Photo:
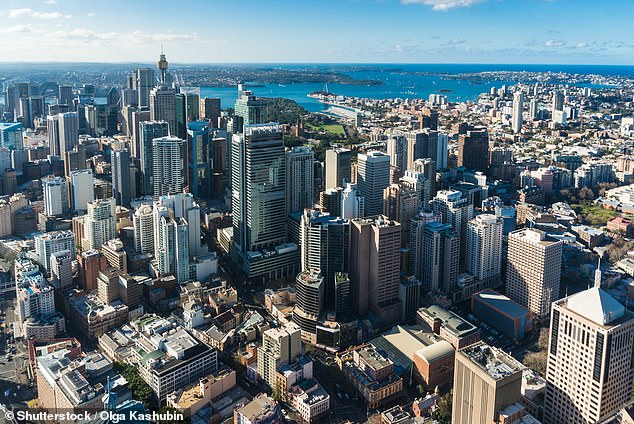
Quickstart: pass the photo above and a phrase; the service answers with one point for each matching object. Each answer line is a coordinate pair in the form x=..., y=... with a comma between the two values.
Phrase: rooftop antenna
x=597, y=275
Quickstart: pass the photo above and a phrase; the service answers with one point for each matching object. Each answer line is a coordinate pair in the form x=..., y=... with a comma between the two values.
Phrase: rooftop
x=596, y=305
x=495, y=362
x=502, y=303
x=450, y=321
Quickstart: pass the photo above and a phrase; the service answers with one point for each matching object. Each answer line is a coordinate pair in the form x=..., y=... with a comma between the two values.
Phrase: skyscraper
x=486, y=380
x=121, y=184
x=589, y=373
x=397, y=149
x=163, y=106
x=518, y=108
x=280, y=346
x=400, y=203
x=63, y=133
x=473, y=150
x=148, y=131
x=337, y=167
x=171, y=245
x=144, y=81
x=100, y=223
x=199, y=162
x=299, y=178
x=375, y=249
x=533, y=270
x=55, y=196
x=48, y=243
x=437, y=256
x=373, y=176
x=168, y=162
x=456, y=211
x=249, y=109
x=82, y=191
x=183, y=206
x=310, y=303
x=484, y=247
x=352, y=203
x=210, y=110
x=143, y=221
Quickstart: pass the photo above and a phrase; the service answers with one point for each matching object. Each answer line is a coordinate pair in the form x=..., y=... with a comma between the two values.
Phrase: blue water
x=398, y=83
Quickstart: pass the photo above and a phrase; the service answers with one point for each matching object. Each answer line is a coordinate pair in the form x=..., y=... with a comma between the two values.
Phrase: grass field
x=336, y=129
x=594, y=215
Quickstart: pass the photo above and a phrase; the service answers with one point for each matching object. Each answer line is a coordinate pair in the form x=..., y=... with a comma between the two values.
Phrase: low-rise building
x=451, y=327
x=92, y=317
x=503, y=314
x=192, y=398
x=261, y=410
x=310, y=400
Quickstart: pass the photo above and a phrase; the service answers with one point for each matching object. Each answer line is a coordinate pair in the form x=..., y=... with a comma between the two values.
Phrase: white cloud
x=50, y=2
x=443, y=5
x=553, y=43
x=18, y=28
x=30, y=13
x=581, y=45
x=90, y=15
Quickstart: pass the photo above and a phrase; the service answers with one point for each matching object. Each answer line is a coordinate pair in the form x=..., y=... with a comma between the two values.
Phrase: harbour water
x=402, y=81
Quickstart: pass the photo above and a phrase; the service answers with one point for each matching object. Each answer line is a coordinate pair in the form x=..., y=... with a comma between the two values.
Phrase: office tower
x=145, y=81
x=442, y=151
x=249, y=110
x=416, y=182
x=81, y=189
x=338, y=167
x=309, y=286
x=218, y=167
x=143, y=221
x=532, y=109
x=375, y=248
x=258, y=198
x=171, y=244
x=437, y=256
x=210, y=110
x=473, y=150
x=63, y=132
x=330, y=201
x=163, y=106
x=65, y=96
x=426, y=143
x=589, y=372
x=129, y=99
x=198, y=152
x=100, y=223
x=533, y=270
x=101, y=119
x=55, y=196
x=121, y=184
x=397, y=150
x=352, y=204
x=518, y=108
x=115, y=255
x=90, y=262
x=75, y=159
x=484, y=247
x=558, y=102
x=373, y=176
x=280, y=346
x=183, y=206
x=61, y=269
x=400, y=203
x=34, y=296
x=299, y=178
x=138, y=117
x=324, y=240
x=148, y=131
x=48, y=243
x=486, y=380
x=9, y=182
x=180, y=130
x=416, y=233
x=168, y=162
x=455, y=211
x=11, y=135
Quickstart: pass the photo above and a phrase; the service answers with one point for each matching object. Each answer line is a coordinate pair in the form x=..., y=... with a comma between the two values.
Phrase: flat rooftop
x=493, y=361
x=502, y=303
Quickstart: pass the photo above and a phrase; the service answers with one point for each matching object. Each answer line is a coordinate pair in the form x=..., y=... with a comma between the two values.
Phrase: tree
x=443, y=413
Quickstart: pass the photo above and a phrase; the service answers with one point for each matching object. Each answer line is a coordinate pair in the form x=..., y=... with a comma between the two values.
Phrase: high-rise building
x=100, y=223
x=309, y=286
x=143, y=221
x=375, y=249
x=533, y=270
x=199, y=162
x=148, y=131
x=533, y=109
x=168, y=162
x=55, y=196
x=182, y=205
x=218, y=167
x=210, y=110
x=171, y=245
x=324, y=241
x=558, y=102
x=416, y=240
x=486, y=380
x=397, y=149
x=120, y=170
x=437, y=256
x=61, y=269
x=338, y=167
x=11, y=135
x=48, y=243
x=163, y=106
x=249, y=109
x=144, y=82
x=90, y=262
x=473, y=150
x=518, y=108
x=65, y=95
x=589, y=373
x=484, y=247
x=280, y=346
x=373, y=176
x=81, y=189
x=352, y=202
x=456, y=211
x=63, y=133
x=299, y=178
x=400, y=203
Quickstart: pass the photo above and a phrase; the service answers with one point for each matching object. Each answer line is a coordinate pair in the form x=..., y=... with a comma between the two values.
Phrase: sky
x=325, y=31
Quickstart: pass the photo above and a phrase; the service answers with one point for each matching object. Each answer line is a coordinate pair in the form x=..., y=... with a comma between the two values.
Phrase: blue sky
x=348, y=31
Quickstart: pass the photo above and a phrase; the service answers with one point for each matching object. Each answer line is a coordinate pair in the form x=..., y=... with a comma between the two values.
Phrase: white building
x=100, y=223
x=48, y=243
x=143, y=221
x=352, y=202
x=55, y=196
x=82, y=191
x=373, y=176
x=484, y=246
x=168, y=157
x=299, y=178
x=518, y=108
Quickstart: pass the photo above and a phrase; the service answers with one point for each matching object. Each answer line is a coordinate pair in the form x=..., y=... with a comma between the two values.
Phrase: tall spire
x=162, y=65
x=597, y=275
